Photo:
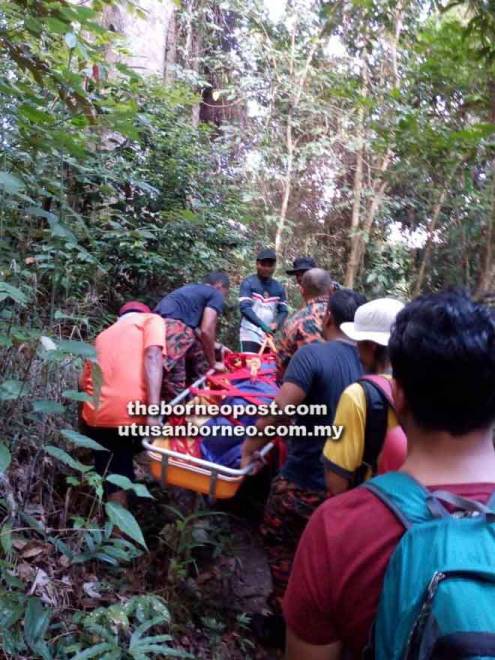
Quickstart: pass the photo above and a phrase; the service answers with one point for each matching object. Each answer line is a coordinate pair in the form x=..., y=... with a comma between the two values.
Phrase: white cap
x=373, y=321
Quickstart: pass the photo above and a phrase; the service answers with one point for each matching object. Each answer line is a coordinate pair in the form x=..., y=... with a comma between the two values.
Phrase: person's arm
x=246, y=307
x=219, y=347
x=297, y=649
x=298, y=380
x=207, y=336
x=153, y=375
x=336, y=483
x=286, y=347
x=154, y=340
x=342, y=457
x=289, y=394
x=282, y=309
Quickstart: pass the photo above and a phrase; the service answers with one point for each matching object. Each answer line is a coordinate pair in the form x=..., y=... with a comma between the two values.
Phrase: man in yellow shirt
x=371, y=433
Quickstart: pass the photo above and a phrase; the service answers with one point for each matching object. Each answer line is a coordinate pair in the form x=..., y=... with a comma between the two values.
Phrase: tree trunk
x=287, y=186
x=487, y=275
x=429, y=240
x=432, y=226
x=170, y=49
x=353, y=263
x=359, y=236
x=190, y=52
x=379, y=188
x=196, y=49
x=290, y=142
x=399, y=17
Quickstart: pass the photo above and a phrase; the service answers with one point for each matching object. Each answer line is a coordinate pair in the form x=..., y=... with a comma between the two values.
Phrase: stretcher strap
x=233, y=392
x=224, y=380
x=268, y=343
x=239, y=360
x=190, y=446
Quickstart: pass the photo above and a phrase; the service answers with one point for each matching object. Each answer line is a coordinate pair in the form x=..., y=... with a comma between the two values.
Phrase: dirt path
x=210, y=566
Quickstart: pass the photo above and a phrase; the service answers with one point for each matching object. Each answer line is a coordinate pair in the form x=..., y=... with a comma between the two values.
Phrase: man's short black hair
x=442, y=350
x=217, y=278
x=343, y=304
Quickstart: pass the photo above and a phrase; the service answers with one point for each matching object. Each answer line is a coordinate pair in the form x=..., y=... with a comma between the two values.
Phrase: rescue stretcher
x=174, y=468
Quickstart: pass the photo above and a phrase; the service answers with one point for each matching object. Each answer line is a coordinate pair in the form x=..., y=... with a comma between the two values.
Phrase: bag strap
x=406, y=498
x=375, y=428
x=412, y=503
x=382, y=384
x=463, y=504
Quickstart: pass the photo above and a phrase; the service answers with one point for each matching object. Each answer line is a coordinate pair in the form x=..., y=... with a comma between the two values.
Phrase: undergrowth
x=83, y=579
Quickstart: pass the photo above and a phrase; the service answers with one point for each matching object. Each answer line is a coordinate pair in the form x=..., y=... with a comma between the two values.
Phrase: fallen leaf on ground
x=33, y=549
x=25, y=571
x=89, y=589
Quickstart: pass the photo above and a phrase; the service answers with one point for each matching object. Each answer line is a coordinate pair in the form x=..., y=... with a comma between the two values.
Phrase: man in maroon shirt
x=442, y=350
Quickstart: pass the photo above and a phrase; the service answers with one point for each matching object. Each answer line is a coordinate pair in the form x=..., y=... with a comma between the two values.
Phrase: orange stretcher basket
x=173, y=468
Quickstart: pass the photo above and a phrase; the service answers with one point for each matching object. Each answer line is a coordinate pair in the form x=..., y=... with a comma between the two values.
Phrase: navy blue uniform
x=323, y=371
x=183, y=310
x=187, y=303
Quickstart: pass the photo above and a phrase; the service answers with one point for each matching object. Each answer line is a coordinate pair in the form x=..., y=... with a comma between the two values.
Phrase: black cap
x=301, y=264
x=266, y=253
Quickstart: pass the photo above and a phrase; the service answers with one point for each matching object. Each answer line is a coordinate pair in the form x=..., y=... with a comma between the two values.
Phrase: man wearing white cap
x=372, y=441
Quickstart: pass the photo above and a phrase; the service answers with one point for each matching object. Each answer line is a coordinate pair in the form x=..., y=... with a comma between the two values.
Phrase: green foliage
x=10, y=390
x=82, y=440
x=110, y=190
x=135, y=628
x=185, y=535
x=84, y=172
x=65, y=458
x=388, y=271
x=78, y=348
x=5, y=457
x=126, y=484
x=103, y=546
x=36, y=622
x=16, y=638
x=12, y=292
x=132, y=629
x=125, y=521
x=48, y=407
x=74, y=395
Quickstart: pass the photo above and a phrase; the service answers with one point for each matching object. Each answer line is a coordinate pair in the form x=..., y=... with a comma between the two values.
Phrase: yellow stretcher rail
x=172, y=468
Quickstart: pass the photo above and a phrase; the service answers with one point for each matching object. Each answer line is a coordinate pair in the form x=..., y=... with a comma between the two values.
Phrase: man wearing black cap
x=263, y=303
x=299, y=266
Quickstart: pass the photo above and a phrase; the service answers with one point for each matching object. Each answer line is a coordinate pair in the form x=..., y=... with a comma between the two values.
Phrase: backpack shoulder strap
x=375, y=429
x=412, y=503
x=408, y=500
x=382, y=384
